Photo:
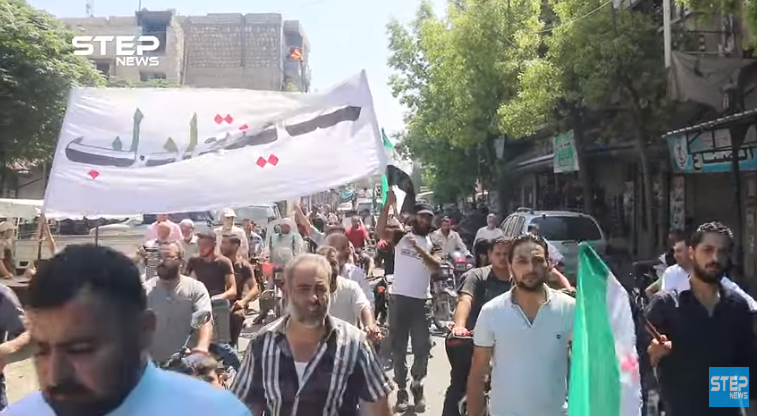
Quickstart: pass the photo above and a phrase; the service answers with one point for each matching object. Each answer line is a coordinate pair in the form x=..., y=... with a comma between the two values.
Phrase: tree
x=597, y=59
x=115, y=82
x=37, y=69
x=452, y=74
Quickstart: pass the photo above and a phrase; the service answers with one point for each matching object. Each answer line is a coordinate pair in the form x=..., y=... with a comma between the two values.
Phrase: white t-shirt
x=411, y=275
x=486, y=234
x=357, y=275
x=159, y=393
x=530, y=358
x=676, y=278
x=348, y=301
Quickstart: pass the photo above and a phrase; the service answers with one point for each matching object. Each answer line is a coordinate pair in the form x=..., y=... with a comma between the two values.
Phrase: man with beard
x=149, y=253
x=414, y=261
x=480, y=285
x=348, y=269
x=706, y=326
x=173, y=298
x=307, y=362
x=522, y=337
x=91, y=330
x=244, y=277
x=348, y=302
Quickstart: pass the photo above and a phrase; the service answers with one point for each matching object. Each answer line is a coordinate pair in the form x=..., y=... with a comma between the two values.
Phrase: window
x=148, y=76
x=509, y=226
x=568, y=228
x=518, y=229
x=103, y=68
x=159, y=30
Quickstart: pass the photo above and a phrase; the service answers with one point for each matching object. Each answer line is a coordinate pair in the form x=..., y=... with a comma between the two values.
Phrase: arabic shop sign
x=709, y=152
x=564, y=148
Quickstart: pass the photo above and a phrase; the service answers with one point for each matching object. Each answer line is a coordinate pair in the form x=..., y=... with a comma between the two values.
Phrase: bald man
x=152, y=231
x=150, y=252
x=346, y=268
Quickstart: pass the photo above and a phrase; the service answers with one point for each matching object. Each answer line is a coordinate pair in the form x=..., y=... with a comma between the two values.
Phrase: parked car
x=259, y=214
x=563, y=229
x=138, y=224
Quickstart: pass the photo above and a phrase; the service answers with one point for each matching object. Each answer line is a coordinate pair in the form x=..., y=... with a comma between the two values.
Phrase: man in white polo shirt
x=524, y=333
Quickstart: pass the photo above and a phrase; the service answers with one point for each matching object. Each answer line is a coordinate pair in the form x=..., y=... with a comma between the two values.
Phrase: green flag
x=604, y=370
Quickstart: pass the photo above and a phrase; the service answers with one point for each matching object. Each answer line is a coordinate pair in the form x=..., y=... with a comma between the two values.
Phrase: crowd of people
x=101, y=325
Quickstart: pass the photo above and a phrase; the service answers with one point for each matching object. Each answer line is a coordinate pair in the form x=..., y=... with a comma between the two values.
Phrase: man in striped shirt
x=307, y=362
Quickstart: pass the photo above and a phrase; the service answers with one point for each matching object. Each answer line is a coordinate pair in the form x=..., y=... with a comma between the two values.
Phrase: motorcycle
x=459, y=353
x=181, y=361
x=443, y=296
x=272, y=296
x=461, y=264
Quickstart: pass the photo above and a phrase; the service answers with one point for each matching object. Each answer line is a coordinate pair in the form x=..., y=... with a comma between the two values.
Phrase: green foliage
x=115, y=82
x=37, y=69
x=596, y=58
x=452, y=74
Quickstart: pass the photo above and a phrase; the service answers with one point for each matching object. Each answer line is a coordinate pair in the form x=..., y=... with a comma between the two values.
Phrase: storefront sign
x=710, y=152
x=564, y=148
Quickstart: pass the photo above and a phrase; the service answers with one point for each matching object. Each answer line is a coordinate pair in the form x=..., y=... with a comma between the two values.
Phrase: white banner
x=134, y=151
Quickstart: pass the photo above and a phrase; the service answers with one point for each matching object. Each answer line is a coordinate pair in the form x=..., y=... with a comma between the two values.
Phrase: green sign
x=564, y=149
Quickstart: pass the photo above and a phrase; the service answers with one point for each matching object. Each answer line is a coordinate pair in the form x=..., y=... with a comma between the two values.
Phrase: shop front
x=707, y=184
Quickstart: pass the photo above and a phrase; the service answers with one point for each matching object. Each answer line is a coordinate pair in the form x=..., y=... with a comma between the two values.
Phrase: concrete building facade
x=259, y=51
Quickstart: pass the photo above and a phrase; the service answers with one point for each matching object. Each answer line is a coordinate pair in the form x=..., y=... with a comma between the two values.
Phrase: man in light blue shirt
x=523, y=336
x=89, y=323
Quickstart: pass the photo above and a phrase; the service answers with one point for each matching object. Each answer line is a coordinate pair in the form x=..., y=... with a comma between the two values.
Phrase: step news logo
x=729, y=387
x=129, y=50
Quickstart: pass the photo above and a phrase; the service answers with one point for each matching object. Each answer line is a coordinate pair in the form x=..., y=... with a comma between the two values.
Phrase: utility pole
x=666, y=34
x=90, y=8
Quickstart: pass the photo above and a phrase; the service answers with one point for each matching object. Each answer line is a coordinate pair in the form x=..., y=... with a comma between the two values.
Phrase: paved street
x=22, y=380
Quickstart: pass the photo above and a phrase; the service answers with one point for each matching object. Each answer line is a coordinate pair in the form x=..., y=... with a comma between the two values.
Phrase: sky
x=346, y=36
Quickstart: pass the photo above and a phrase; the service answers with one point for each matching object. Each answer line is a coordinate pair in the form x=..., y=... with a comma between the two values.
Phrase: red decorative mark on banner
x=244, y=127
x=272, y=160
x=228, y=119
x=93, y=174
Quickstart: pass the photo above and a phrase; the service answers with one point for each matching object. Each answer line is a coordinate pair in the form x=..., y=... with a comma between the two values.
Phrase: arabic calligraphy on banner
x=699, y=152
x=134, y=151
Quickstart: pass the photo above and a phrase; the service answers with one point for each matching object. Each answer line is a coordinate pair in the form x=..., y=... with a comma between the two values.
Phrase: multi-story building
x=218, y=50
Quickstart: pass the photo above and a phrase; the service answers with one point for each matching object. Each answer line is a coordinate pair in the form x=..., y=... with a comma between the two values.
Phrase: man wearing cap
x=415, y=259
x=7, y=265
x=227, y=228
x=152, y=231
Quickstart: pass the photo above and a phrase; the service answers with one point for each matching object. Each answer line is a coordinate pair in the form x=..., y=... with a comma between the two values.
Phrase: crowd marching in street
x=102, y=332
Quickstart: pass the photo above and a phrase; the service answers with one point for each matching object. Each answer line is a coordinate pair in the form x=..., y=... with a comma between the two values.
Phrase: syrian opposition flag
x=397, y=177
x=604, y=370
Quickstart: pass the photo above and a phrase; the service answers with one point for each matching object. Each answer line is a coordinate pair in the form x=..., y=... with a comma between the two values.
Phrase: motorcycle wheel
x=442, y=313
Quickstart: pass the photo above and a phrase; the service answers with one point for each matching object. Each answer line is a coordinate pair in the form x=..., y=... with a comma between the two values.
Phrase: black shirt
x=242, y=273
x=211, y=273
x=700, y=341
x=483, y=286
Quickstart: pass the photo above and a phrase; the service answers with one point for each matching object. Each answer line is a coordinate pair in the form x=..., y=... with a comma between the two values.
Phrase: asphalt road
x=21, y=380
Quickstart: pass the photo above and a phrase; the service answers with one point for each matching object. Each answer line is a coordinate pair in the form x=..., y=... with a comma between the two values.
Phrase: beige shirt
x=244, y=247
